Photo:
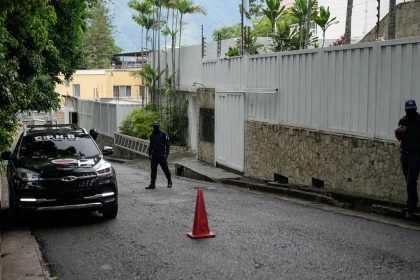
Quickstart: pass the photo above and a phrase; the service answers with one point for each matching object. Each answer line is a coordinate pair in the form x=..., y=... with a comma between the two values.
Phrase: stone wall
x=205, y=149
x=361, y=166
x=407, y=23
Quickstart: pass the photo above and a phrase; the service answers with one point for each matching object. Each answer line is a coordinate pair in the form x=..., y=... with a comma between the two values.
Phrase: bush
x=139, y=123
x=177, y=122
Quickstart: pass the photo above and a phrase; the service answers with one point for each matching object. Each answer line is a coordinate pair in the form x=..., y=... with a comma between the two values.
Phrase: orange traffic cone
x=200, y=227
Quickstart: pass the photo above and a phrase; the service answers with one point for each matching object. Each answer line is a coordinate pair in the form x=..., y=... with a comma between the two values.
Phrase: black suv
x=60, y=167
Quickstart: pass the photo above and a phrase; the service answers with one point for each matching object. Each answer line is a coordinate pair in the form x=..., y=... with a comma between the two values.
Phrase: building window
x=67, y=83
x=207, y=124
x=76, y=90
x=122, y=91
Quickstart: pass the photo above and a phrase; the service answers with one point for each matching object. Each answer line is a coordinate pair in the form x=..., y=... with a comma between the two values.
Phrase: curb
x=339, y=199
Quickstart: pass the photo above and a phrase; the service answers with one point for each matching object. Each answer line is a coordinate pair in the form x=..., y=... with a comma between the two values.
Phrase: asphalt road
x=258, y=236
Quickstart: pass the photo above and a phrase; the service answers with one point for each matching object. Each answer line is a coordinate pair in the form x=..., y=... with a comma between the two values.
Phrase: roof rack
x=36, y=127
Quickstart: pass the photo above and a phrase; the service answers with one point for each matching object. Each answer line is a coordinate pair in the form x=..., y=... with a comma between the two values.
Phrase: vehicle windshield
x=58, y=145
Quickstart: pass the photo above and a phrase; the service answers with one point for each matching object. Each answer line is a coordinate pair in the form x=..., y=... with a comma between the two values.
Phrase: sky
x=226, y=13
x=219, y=13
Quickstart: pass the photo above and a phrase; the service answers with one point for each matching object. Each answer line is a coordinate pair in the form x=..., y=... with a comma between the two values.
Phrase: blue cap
x=410, y=104
x=156, y=123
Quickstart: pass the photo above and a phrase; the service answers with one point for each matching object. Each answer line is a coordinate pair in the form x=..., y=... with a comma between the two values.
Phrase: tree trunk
x=347, y=33
x=142, y=44
x=323, y=38
x=158, y=49
x=300, y=33
x=308, y=23
x=174, y=53
x=391, y=20
x=166, y=48
x=179, y=52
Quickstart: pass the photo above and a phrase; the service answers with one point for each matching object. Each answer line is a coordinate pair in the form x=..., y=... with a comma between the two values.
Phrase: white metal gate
x=229, y=131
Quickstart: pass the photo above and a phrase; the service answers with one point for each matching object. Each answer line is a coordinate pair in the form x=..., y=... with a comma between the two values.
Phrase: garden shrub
x=139, y=123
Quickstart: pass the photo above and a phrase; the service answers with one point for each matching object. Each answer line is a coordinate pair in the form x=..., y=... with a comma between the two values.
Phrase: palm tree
x=324, y=21
x=143, y=8
x=347, y=33
x=300, y=11
x=185, y=7
x=272, y=12
x=151, y=76
x=148, y=23
x=308, y=23
x=391, y=21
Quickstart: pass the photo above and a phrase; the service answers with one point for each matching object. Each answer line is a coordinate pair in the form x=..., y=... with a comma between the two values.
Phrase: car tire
x=12, y=202
x=110, y=212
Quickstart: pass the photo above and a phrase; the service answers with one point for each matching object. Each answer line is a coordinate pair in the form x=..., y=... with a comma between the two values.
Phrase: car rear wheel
x=12, y=202
x=110, y=212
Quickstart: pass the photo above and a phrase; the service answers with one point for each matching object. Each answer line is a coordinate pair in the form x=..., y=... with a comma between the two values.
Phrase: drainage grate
x=281, y=179
x=317, y=183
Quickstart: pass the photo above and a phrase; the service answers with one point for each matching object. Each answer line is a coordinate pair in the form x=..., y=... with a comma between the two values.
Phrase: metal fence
x=357, y=89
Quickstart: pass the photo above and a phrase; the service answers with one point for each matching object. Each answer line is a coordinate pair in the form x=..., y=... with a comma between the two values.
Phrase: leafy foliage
x=177, y=121
x=273, y=12
x=139, y=123
x=285, y=39
x=324, y=21
x=174, y=118
x=98, y=43
x=227, y=32
x=232, y=51
x=39, y=40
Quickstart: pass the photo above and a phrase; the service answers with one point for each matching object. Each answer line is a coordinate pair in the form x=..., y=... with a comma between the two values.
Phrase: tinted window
x=58, y=145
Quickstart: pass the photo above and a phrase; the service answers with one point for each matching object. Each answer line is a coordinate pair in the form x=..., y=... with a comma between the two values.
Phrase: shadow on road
x=58, y=219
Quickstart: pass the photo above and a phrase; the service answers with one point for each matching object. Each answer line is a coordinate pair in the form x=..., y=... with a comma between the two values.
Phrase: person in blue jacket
x=408, y=132
x=158, y=154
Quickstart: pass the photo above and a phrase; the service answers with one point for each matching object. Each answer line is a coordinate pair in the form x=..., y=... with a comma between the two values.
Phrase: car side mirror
x=6, y=155
x=107, y=150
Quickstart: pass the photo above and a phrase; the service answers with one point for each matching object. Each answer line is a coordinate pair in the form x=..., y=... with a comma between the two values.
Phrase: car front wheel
x=110, y=212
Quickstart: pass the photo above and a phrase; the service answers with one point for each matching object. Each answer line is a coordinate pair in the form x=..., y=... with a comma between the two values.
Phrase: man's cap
x=156, y=123
x=410, y=104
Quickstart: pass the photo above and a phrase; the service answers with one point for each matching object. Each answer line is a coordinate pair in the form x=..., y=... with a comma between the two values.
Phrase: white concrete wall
x=357, y=89
x=104, y=117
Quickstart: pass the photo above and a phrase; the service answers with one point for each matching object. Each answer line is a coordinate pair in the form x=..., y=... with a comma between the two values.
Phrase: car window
x=57, y=145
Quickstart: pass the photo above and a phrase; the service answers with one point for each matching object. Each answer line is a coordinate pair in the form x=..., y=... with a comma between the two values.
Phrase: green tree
x=285, y=39
x=142, y=8
x=227, y=32
x=273, y=11
x=151, y=76
x=324, y=21
x=39, y=40
x=255, y=8
x=139, y=123
x=299, y=11
x=99, y=45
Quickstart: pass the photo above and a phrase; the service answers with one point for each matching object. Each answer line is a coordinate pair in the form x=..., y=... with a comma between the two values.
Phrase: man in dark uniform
x=158, y=153
x=408, y=132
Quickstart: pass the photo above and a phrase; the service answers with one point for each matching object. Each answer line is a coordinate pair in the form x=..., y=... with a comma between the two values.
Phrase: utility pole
x=242, y=27
x=378, y=17
x=203, y=43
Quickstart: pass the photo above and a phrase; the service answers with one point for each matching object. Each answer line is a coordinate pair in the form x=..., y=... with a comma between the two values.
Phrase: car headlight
x=104, y=171
x=27, y=178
